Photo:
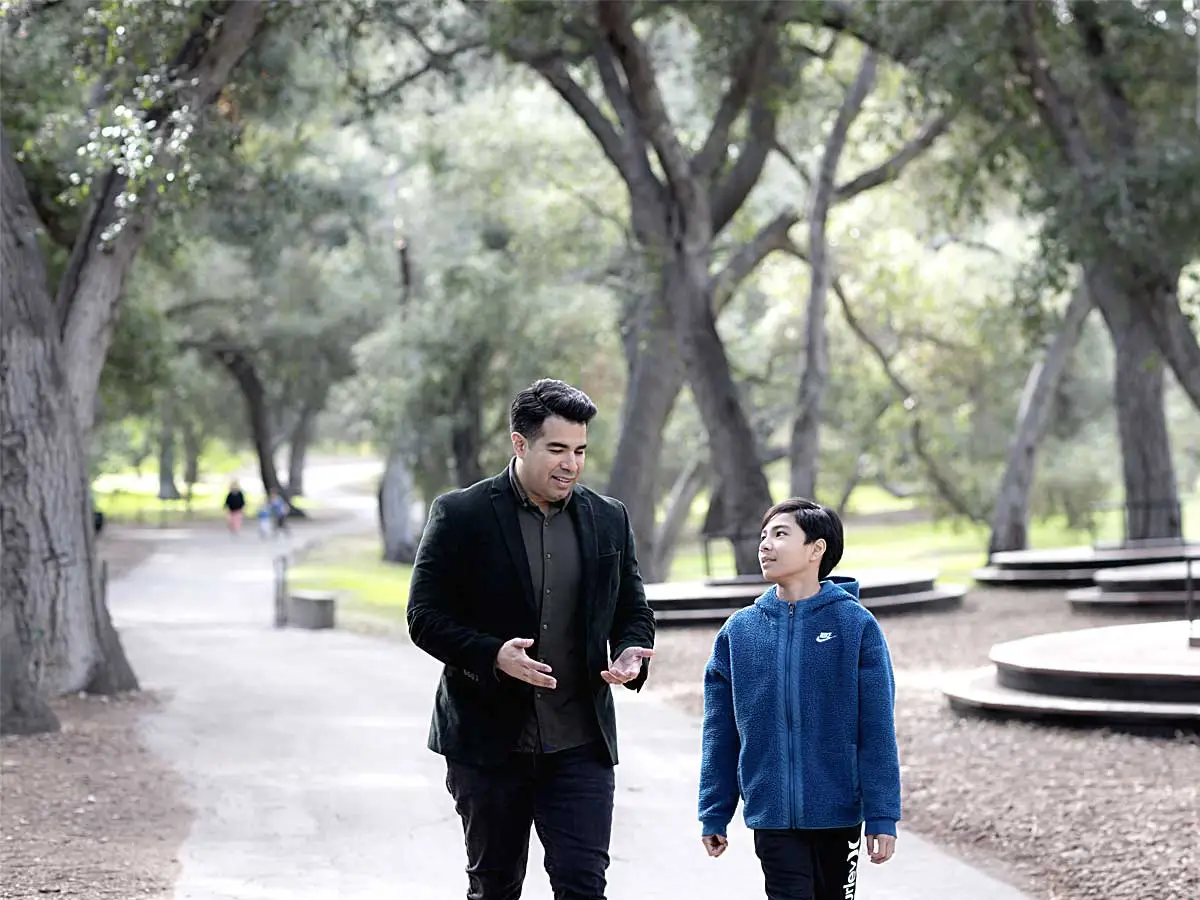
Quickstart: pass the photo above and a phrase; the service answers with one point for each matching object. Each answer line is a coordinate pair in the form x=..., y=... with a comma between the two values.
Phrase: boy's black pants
x=809, y=864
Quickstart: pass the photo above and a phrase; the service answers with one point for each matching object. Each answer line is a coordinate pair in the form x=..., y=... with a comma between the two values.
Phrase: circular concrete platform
x=1070, y=567
x=881, y=590
x=1118, y=675
x=1160, y=586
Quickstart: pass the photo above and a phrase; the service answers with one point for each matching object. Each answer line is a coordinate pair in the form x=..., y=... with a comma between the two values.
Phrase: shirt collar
x=523, y=495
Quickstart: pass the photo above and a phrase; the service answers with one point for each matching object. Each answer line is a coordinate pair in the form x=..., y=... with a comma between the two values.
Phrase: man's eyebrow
x=565, y=446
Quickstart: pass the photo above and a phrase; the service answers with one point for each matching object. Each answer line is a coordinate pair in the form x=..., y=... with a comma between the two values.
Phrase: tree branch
x=729, y=194
x=771, y=237
x=648, y=103
x=891, y=169
x=50, y=219
x=615, y=90
x=1118, y=121
x=747, y=77
x=619, y=222
x=555, y=72
x=943, y=484
x=1058, y=111
x=618, y=98
x=791, y=160
x=91, y=287
x=440, y=62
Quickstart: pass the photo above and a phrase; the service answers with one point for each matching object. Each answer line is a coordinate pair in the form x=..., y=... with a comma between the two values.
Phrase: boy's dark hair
x=549, y=397
x=817, y=521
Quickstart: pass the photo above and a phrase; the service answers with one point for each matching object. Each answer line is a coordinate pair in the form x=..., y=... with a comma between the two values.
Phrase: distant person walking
x=235, y=507
x=279, y=512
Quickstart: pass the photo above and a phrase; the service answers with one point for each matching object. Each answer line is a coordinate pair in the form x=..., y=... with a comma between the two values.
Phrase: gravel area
x=89, y=812
x=1066, y=814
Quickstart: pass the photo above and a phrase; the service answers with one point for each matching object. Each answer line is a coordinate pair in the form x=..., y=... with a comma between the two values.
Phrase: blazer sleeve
x=633, y=619
x=878, y=755
x=431, y=621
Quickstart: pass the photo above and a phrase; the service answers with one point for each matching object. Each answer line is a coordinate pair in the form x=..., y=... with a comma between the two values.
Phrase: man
x=526, y=586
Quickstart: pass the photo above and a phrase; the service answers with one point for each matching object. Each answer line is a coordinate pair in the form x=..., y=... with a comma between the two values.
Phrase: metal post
x=281, y=589
x=1189, y=602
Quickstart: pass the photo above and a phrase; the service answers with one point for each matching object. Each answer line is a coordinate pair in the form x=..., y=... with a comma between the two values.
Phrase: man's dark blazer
x=471, y=592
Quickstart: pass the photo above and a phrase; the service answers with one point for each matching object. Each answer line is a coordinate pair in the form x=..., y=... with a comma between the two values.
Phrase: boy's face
x=784, y=552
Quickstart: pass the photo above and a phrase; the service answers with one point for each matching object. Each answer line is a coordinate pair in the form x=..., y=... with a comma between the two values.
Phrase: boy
x=798, y=718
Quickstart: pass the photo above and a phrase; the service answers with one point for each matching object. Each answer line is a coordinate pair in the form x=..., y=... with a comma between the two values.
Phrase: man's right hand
x=513, y=662
x=715, y=844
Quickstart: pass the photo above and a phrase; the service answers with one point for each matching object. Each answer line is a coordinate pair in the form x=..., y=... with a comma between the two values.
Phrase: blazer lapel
x=504, y=504
x=589, y=551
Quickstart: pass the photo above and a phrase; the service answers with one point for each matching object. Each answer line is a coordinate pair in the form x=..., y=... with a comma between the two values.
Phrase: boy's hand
x=880, y=847
x=715, y=844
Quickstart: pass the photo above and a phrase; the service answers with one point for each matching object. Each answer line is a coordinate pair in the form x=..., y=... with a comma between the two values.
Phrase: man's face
x=552, y=463
x=782, y=551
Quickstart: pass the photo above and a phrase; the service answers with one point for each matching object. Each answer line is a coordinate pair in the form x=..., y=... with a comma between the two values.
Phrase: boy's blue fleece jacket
x=798, y=717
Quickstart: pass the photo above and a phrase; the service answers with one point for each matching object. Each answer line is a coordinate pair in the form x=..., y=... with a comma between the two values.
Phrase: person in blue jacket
x=799, y=718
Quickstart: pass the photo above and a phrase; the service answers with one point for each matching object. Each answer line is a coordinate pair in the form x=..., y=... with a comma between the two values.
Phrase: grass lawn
x=353, y=568
x=132, y=499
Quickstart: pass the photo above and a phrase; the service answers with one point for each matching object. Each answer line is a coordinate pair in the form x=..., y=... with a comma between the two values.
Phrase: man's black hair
x=549, y=397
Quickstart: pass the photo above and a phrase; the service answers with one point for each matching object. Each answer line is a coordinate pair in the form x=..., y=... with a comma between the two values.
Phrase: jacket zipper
x=788, y=706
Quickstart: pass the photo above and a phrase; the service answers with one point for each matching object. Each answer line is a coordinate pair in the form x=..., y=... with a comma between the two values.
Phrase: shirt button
x=544, y=627
x=547, y=556
x=547, y=590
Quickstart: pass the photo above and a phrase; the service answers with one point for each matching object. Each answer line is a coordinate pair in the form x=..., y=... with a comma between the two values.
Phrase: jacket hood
x=835, y=589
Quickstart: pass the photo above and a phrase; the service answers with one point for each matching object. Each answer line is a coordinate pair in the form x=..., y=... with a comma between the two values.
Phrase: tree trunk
x=258, y=416
x=734, y=451
x=91, y=288
x=687, y=488
x=655, y=380
x=805, y=447
x=167, y=489
x=192, y=448
x=55, y=631
x=1010, y=517
x=466, y=434
x=1151, y=492
x=395, y=511
x=298, y=450
x=852, y=482
x=1174, y=333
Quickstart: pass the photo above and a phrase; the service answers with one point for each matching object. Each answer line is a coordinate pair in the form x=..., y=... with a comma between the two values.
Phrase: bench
x=311, y=609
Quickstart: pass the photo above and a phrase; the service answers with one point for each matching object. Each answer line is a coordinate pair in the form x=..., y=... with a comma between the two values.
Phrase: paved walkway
x=305, y=757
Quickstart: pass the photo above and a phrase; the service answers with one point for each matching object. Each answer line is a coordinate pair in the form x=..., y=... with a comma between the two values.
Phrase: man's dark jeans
x=567, y=796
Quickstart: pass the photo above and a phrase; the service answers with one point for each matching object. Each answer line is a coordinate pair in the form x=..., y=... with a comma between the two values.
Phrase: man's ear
x=519, y=444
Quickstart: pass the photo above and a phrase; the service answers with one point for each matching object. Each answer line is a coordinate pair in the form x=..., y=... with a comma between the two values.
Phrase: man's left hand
x=627, y=666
